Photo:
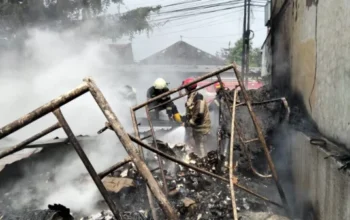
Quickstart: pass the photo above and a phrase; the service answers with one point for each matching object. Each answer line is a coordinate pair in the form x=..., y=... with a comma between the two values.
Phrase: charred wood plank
x=43, y=110
x=24, y=143
x=130, y=148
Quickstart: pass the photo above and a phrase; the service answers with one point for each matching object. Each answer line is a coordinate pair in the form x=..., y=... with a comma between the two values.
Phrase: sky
x=209, y=32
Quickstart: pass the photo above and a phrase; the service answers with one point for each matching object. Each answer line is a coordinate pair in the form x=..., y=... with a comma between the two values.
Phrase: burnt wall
x=310, y=50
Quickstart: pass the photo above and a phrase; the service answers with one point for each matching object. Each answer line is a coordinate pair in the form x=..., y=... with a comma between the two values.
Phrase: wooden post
x=233, y=198
x=73, y=140
x=130, y=148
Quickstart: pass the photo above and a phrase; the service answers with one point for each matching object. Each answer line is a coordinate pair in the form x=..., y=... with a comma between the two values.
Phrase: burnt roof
x=182, y=53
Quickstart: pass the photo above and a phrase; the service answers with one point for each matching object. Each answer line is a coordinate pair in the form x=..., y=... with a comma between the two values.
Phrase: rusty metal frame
x=53, y=107
x=217, y=73
x=147, y=109
x=160, y=162
x=262, y=139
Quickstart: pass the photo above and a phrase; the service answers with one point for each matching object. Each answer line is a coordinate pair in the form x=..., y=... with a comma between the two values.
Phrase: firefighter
x=223, y=129
x=197, y=115
x=159, y=87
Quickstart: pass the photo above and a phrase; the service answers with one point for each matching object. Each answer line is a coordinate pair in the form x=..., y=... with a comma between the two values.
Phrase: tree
x=234, y=54
x=16, y=14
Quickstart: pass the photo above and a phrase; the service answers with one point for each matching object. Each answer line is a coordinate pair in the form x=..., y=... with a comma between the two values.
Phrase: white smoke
x=49, y=65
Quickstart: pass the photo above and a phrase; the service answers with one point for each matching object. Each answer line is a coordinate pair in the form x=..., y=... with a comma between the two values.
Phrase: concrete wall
x=318, y=179
x=311, y=53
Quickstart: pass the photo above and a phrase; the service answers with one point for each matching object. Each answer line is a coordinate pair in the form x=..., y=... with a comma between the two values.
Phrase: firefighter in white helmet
x=159, y=87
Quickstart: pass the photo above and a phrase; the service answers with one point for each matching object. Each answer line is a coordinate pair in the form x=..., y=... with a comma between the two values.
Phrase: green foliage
x=234, y=54
x=53, y=13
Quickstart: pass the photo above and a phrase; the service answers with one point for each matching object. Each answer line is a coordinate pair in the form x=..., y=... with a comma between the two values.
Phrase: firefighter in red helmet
x=197, y=115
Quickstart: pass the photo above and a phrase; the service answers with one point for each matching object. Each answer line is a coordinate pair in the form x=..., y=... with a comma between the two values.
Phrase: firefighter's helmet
x=160, y=84
x=218, y=85
x=188, y=81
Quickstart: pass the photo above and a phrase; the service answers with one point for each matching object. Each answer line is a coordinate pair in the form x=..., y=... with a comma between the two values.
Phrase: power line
x=224, y=35
x=199, y=20
x=200, y=13
x=206, y=25
x=232, y=2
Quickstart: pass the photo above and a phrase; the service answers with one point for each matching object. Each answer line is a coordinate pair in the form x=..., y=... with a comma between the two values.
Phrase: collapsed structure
x=190, y=179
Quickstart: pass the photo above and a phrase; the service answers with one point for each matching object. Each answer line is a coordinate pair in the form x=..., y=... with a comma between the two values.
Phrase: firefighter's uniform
x=198, y=118
x=156, y=90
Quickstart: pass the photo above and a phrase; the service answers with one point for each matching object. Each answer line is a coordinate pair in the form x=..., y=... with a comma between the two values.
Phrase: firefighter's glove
x=177, y=117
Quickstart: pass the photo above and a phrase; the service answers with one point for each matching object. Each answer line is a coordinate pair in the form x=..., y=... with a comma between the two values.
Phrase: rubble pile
x=194, y=195
x=108, y=215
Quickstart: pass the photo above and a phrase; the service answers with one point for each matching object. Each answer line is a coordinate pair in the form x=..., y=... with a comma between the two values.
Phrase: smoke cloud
x=50, y=64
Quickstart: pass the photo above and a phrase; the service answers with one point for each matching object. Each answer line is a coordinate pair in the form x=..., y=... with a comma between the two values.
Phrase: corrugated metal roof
x=34, y=148
x=18, y=156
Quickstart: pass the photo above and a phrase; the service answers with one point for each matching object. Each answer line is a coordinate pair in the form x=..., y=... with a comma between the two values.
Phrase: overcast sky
x=209, y=32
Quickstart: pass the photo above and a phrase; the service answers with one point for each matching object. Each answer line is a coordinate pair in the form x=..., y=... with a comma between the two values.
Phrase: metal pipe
x=251, y=140
x=261, y=103
x=24, y=143
x=140, y=149
x=136, y=129
x=43, y=110
x=145, y=137
x=206, y=76
x=160, y=162
x=73, y=140
x=180, y=96
x=262, y=140
x=234, y=207
x=129, y=147
x=137, y=141
x=155, y=169
x=285, y=104
x=113, y=168
x=246, y=152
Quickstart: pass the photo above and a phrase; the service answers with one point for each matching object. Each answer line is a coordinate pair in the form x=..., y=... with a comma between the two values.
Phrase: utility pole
x=247, y=45
x=244, y=40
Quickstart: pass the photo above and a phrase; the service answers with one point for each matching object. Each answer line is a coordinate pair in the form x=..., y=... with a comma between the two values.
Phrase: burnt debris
x=159, y=181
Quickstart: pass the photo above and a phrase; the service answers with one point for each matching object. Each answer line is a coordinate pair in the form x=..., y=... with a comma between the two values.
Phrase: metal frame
x=53, y=106
x=127, y=140
x=252, y=114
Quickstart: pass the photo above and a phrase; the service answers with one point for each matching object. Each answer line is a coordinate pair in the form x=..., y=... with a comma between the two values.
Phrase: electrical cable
x=199, y=20
x=205, y=12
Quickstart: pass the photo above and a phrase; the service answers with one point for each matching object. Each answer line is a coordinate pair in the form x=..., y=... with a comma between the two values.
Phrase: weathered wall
x=311, y=49
x=318, y=179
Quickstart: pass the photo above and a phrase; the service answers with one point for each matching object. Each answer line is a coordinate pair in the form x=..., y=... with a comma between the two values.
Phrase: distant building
x=123, y=52
x=182, y=53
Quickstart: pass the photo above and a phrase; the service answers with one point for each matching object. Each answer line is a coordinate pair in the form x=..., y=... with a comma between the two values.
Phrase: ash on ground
x=194, y=195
